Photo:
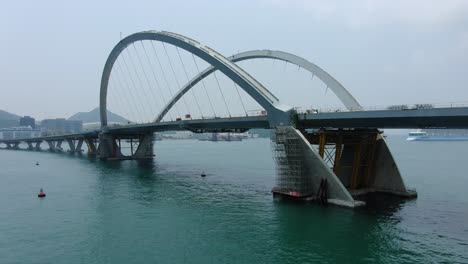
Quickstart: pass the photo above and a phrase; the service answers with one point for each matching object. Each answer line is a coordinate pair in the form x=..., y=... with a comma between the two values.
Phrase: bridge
x=335, y=157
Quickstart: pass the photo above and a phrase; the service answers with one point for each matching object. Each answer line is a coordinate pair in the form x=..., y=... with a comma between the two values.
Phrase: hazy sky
x=384, y=52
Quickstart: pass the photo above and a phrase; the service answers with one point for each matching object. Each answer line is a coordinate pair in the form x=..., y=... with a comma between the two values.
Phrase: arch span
x=345, y=97
x=278, y=114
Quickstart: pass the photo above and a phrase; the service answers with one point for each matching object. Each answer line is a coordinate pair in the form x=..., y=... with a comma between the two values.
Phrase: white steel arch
x=278, y=114
x=345, y=97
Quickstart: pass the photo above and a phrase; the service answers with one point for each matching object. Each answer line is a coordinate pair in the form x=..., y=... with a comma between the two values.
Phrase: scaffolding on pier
x=288, y=153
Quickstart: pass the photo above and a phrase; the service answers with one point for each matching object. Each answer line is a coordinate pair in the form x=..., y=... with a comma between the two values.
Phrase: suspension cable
x=156, y=79
x=133, y=84
x=112, y=97
x=188, y=80
x=146, y=77
x=224, y=99
x=123, y=95
x=164, y=76
x=175, y=76
x=240, y=98
x=119, y=96
x=128, y=110
x=141, y=85
x=135, y=87
x=204, y=87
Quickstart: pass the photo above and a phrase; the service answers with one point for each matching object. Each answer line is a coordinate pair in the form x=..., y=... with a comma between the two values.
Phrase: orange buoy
x=41, y=194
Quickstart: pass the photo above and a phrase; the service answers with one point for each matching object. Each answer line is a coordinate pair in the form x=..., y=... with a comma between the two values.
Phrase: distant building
x=177, y=134
x=19, y=132
x=61, y=125
x=74, y=125
x=27, y=121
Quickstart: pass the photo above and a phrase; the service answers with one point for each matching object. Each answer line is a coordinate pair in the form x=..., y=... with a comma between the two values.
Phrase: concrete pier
x=92, y=146
x=75, y=145
x=351, y=162
x=145, y=148
x=110, y=146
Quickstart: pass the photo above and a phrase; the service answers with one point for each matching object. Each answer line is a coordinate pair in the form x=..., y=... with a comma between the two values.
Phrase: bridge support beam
x=364, y=164
x=51, y=144
x=34, y=145
x=145, y=148
x=38, y=145
x=75, y=144
x=59, y=145
x=301, y=171
x=351, y=162
x=79, y=145
x=387, y=177
x=92, y=149
x=108, y=148
x=71, y=144
x=12, y=145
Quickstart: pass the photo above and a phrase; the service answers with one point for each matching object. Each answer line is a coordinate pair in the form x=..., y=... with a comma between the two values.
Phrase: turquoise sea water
x=164, y=212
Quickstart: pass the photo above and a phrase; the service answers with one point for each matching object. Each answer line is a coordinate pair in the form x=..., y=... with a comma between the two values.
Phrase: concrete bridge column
x=301, y=171
x=38, y=145
x=30, y=145
x=79, y=145
x=59, y=145
x=108, y=148
x=51, y=144
x=387, y=177
x=145, y=148
x=16, y=145
x=354, y=162
x=365, y=163
x=71, y=144
x=92, y=149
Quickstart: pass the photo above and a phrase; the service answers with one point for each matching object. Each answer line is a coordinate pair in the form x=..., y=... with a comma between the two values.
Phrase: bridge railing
x=250, y=113
x=383, y=107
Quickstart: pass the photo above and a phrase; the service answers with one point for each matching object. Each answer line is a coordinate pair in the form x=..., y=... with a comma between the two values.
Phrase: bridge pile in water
x=354, y=162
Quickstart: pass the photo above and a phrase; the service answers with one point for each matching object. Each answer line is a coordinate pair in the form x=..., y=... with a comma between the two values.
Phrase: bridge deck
x=233, y=124
x=411, y=118
x=196, y=125
x=74, y=136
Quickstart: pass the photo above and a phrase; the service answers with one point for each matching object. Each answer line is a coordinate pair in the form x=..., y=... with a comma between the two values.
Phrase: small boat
x=203, y=174
x=37, y=163
x=41, y=194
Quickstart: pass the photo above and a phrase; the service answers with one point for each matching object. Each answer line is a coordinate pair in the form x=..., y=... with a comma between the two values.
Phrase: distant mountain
x=8, y=119
x=4, y=115
x=95, y=116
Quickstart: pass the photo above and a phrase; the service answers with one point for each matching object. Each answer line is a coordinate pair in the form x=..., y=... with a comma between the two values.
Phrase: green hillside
x=8, y=119
x=94, y=116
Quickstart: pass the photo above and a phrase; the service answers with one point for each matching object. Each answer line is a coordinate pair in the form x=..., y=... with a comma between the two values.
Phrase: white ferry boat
x=438, y=135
